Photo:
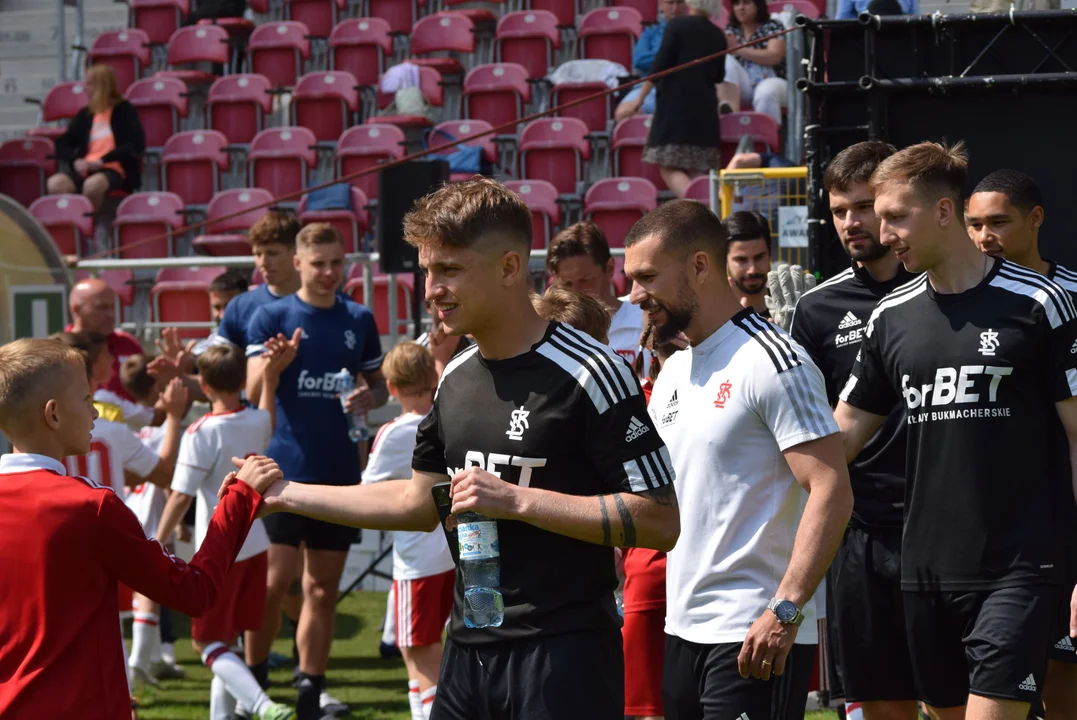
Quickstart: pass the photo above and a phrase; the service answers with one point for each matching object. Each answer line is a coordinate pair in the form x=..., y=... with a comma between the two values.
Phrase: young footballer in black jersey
x=865, y=610
x=979, y=352
x=544, y=429
x=1004, y=217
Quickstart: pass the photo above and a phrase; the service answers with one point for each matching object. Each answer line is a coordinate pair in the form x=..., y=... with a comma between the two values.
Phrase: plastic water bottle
x=480, y=562
x=345, y=384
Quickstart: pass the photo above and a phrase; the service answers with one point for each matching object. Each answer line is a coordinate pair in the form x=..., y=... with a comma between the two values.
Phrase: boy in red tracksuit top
x=65, y=542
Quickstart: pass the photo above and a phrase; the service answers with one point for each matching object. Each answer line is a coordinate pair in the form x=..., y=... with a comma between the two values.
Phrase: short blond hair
x=577, y=309
x=933, y=170
x=318, y=234
x=410, y=368
x=30, y=371
x=460, y=214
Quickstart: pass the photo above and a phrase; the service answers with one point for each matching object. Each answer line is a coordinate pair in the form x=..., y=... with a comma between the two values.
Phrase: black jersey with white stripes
x=566, y=416
x=978, y=373
x=829, y=322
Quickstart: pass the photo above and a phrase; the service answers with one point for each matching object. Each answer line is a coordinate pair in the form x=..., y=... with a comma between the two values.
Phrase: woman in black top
x=684, y=137
x=102, y=148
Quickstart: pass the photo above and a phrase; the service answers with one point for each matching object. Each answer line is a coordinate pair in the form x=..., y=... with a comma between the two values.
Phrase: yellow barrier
x=769, y=191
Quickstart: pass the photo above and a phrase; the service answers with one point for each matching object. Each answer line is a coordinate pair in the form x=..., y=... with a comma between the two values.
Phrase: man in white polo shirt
x=761, y=476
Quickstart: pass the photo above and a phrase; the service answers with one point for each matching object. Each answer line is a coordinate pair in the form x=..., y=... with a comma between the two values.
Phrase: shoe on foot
x=276, y=660
x=138, y=676
x=388, y=651
x=331, y=706
x=277, y=711
x=164, y=670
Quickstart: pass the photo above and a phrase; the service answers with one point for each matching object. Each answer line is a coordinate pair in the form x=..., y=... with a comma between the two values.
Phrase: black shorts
x=289, y=529
x=115, y=180
x=576, y=675
x=1062, y=647
x=991, y=643
x=701, y=682
x=868, y=614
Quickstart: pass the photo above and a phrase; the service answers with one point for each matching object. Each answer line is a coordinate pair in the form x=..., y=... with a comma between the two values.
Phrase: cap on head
x=458, y=215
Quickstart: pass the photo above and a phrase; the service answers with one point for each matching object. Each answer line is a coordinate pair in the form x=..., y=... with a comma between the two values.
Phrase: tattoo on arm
x=628, y=525
x=606, y=529
x=665, y=495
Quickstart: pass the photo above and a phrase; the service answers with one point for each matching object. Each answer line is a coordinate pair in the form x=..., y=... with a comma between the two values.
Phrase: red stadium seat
x=367, y=146
x=126, y=51
x=62, y=102
x=458, y=129
x=327, y=103
x=158, y=18
x=238, y=106
x=762, y=128
x=278, y=50
x=147, y=215
x=360, y=47
x=161, y=102
x=541, y=199
x=400, y=14
x=68, y=218
x=555, y=149
x=530, y=38
x=596, y=114
x=610, y=34
x=226, y=236
x=496, y=93
x=352, y=224
x=648, y=11
x=699, y=190
x=318, y=15
x=281, y=159
x=807, y=8
x=196, y=44
x=629, y=139
x=354, y=287
x=192, y=163
x=564, y=10
x=615, y=204
x=25, y=165
x=433, y=93
x=181, y=295
x=443, y=32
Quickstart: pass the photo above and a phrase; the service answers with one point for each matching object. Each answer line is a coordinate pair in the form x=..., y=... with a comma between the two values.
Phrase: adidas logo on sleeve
x=635, y=429
x=1028, y=684
x=849, y=321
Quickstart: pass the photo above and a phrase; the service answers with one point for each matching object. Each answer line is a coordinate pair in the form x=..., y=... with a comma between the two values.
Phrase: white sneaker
x=165, y=670
x=138, y=676
x=330, y=705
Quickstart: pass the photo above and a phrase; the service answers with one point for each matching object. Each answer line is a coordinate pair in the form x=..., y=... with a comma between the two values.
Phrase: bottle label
x=478, y=540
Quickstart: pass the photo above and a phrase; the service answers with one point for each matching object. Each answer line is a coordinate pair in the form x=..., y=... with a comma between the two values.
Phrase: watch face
x=786, y=611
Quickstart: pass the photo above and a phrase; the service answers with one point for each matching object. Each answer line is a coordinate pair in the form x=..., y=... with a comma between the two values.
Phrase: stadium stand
x=352, y=223
x=61, y=103
x=278, y=50
x=162, y=105
x=318, y=15
x=68, y=218
x=25, y=165
x=281, y=160
x=327, y=103
x=181, y=295
x=126, y=51
x=192, y=46
x=615, y=204
x=541, y=199
x=530, y=38
x=366, y=146
x=497, y=93
x=361, y=47
x=227, y=236
x=555, y=150
x=192, y=163
x=158, y=18
x=141, y=217
x=610, y=34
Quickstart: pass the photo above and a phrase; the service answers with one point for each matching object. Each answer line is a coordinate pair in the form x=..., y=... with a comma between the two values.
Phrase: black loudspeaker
x=398, y=189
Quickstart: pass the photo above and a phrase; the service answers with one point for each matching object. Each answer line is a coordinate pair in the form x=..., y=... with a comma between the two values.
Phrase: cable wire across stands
x=512, y=124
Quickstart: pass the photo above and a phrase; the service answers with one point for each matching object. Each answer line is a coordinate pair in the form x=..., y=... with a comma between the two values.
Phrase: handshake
x=258, y=471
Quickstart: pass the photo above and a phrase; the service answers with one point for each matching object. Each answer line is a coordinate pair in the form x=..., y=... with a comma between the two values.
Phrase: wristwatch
x=786, y=612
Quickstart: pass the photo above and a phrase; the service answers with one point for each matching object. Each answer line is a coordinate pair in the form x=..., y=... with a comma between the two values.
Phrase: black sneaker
x=388, y=651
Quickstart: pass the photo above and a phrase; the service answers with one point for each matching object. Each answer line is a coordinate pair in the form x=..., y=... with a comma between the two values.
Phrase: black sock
x=261, y=673
x=308, y=704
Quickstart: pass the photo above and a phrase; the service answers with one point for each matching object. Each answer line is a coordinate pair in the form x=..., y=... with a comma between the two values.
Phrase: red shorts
x=645, y=579
x=423, y=607
x=125, y=597
x=644, y=647
x=240, y=603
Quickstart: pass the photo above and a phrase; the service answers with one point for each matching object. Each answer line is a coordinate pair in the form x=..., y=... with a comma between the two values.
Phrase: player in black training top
x=543, y=428
x=979, y=351
x=864, y=583
x=1004, y=217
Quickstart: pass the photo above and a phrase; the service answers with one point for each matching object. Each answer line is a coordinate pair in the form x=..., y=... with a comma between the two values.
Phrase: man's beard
x=873, y=249
x=679, y=315
x=744, y=287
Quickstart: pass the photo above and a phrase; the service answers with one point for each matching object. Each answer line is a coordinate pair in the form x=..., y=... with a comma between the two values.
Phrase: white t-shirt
x=147, y=501
x=625, y=328
x=113, y=449
x=415, y=554
x=135, y=415
x=205, y=458
x=727, y=409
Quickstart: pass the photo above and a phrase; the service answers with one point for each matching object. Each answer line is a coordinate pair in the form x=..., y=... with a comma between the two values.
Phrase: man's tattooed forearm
x=627, y=523
x=607, y=538
x=665, y=495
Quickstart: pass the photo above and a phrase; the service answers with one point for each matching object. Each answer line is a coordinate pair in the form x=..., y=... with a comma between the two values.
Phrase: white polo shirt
x=727, y=409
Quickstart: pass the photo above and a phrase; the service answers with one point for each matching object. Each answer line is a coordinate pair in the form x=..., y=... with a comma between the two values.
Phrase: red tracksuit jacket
x=64, y=544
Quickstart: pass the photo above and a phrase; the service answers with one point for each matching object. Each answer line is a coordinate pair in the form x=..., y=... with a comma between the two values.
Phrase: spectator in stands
x=762, y=84
x=224, y=287
x=103, y=145
x=93, y=309
x=684, y=139
x=851, y=9
x=748, y=258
